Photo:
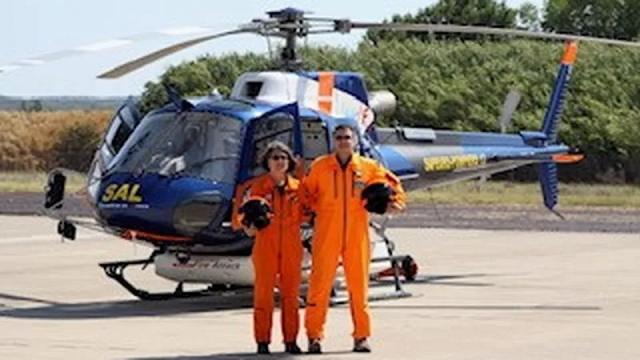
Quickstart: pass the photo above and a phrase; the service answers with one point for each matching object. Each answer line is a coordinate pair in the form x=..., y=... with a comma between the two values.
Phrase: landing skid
x=115, y=270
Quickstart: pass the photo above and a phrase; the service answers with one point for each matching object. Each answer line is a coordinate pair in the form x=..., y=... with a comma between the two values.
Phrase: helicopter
x=169, y=179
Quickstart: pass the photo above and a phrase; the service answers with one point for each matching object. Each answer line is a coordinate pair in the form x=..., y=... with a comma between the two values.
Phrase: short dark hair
x=343, y=127
x=277, y=146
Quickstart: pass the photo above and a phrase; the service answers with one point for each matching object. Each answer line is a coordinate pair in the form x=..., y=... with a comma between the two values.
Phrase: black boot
x=263, y=348
x=292, y=348
x=361, y=345
x=314, y=346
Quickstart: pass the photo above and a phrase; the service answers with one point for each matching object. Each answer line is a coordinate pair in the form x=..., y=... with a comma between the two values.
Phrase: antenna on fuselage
x=175, y=98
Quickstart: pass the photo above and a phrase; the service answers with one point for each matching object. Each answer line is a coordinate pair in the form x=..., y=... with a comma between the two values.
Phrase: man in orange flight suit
x=277, y=249
x=333, y=190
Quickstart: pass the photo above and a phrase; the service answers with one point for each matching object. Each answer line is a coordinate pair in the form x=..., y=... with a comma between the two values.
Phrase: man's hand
x=298, y=171
x=251, y=231
x=394, y=208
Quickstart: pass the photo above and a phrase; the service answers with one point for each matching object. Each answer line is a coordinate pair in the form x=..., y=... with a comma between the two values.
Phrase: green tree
x=154, y=95
x=618, y=19
x=529, y=17
x=461, y=12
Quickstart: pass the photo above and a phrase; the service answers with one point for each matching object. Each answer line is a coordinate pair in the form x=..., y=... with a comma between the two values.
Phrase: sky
x=30, y=28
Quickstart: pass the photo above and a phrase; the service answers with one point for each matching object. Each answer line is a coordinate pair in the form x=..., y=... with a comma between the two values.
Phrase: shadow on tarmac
x=491, y=307
x=437, y=280
x=244, y=355
x=126, y=308
x=228, y=301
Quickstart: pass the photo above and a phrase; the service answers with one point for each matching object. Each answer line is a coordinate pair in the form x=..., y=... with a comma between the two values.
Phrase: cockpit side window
x=314, y=138
x=278, y=127
x=118, y=133
x=120, y=128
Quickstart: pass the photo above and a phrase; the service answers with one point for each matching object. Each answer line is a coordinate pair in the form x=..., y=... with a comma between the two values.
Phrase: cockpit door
x=281, y=124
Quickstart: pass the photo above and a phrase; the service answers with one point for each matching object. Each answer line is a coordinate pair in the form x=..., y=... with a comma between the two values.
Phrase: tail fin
x=548, y=171
x=556, y=102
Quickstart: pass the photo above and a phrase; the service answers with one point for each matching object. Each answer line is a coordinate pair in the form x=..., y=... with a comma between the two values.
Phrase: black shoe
x=314, y=346
x=361, y=345
x=292, y=348
x=263, y=348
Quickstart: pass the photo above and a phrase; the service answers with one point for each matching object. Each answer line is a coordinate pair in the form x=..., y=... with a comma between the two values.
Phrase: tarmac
x=482, y=294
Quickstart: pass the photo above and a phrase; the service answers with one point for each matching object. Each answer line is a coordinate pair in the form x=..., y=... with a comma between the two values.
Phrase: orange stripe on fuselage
x=570, y=53
x=141, y=235
x=325, y=91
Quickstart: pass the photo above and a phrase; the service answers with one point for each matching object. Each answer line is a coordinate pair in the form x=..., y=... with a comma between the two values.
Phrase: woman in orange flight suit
x=277, y=249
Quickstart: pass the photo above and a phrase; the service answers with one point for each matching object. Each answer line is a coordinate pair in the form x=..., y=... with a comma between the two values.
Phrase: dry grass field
x=28, y=139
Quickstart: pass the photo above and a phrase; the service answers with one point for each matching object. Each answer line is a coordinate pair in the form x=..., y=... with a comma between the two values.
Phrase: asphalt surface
x=480, y=295
x=430, y=215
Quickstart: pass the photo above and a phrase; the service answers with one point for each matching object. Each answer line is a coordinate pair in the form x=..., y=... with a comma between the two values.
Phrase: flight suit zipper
x=278, y=195
x=353, y=179
x=344, y=208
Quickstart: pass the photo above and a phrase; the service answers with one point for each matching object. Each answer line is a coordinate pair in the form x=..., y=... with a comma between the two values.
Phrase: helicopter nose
x=195, y=214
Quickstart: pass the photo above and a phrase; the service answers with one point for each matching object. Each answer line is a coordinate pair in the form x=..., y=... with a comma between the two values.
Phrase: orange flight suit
x=341, y=231
x=277, y=250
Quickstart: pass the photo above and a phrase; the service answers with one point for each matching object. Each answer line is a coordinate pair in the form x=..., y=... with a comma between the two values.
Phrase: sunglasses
x=279, y=157
x=343, y=137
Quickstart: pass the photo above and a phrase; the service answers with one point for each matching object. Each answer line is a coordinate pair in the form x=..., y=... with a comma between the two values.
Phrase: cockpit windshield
x=197, y=144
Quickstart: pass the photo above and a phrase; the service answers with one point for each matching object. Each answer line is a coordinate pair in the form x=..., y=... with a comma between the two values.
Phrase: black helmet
x=256, y=212
x=377, y=196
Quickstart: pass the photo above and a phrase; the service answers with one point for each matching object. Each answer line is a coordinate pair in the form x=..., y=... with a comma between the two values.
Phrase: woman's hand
x=251, y=231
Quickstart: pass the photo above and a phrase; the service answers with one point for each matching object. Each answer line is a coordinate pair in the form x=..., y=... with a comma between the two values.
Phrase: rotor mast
x=291, y=25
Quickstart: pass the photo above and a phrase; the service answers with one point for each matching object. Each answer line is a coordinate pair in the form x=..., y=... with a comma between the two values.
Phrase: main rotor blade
x=130, y=66
x=463, y=29
x=104, y=45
